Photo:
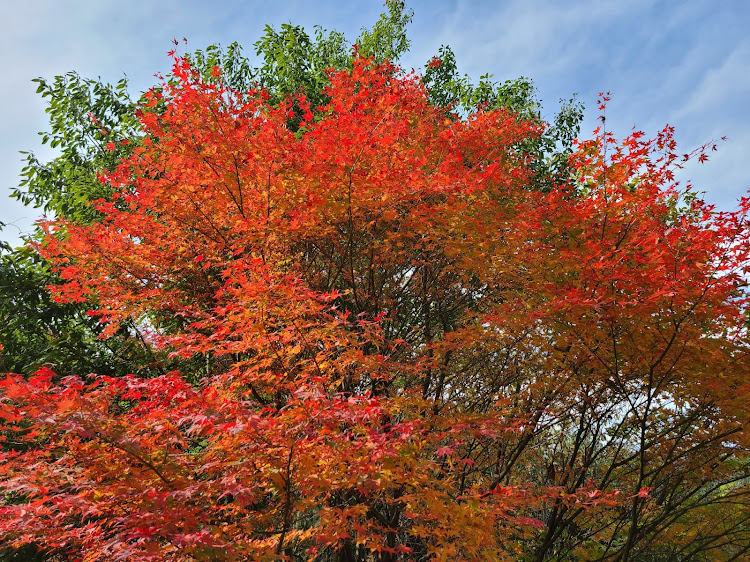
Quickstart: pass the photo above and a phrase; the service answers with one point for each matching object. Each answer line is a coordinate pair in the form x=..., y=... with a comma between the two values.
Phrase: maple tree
x=409, y=352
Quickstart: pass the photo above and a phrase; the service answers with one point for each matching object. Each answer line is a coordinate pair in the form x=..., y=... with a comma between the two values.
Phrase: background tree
x=37, y=331
x=550, y=150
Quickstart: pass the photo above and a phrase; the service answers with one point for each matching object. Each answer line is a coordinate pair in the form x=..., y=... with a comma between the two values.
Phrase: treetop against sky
x=684, y=64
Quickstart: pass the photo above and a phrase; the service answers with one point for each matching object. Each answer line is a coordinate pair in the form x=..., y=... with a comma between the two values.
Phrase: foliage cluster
x=352, y=314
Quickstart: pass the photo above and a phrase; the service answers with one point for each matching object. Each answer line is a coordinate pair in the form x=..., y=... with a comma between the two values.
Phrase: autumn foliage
x=411, y=354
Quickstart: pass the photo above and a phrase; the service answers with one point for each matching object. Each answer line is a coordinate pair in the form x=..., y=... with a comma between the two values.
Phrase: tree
x=413, y=354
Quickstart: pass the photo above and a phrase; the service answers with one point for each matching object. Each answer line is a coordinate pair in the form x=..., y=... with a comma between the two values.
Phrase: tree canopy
x=365, y=322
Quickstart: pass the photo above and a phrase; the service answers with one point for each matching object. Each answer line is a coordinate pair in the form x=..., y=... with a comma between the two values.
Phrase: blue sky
x=684, y=63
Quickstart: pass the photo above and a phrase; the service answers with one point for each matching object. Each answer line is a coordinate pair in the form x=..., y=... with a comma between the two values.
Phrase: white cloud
x=721, y=86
